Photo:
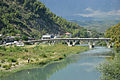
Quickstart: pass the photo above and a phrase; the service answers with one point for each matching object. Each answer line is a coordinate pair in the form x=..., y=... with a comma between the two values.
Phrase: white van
x=47, y=37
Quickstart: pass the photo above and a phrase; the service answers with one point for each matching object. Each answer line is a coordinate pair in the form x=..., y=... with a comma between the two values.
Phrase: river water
x=77, y=67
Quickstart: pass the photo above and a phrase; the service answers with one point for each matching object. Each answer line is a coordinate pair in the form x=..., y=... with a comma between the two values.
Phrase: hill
x=114, y=33
x=31, y=18
x=98, y=25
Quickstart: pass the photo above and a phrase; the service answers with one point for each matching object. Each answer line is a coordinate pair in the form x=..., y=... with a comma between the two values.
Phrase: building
x=68, y=34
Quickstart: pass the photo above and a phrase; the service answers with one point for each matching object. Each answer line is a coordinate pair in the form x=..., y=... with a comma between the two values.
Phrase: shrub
x=2, y=48
x=32, y=60
x=6, y=67
x=10, y=64
x=12, y=60
x=110, y=70
x=25, y=50
x=0, y=65
x=2, y=61
x=37, y=59
x=17, y=63
x=44, y=55
x=13, y=64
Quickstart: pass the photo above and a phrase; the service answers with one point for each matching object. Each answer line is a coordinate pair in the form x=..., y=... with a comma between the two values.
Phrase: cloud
x=98, y=13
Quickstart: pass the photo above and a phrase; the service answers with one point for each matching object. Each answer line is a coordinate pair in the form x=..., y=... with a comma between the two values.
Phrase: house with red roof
x=68, y=34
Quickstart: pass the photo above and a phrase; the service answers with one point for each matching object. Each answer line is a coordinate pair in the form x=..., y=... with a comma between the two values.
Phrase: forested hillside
x=114, y=33
x=32, y=18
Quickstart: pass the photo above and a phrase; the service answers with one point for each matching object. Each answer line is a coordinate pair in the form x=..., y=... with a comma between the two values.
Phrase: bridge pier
x=51, y=42
x=109, y=45
x=71, y=43
x=68, y=43
x=91, y=44
x=74, y=42
x=80, y=42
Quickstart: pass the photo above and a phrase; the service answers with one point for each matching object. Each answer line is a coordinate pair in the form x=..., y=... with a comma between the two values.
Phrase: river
x=77, y=67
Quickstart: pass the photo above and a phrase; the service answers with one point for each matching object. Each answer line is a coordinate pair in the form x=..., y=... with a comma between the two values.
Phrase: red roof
x=67, y=33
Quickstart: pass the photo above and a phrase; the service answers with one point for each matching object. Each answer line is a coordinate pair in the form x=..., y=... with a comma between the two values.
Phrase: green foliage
x=15, y=49
x=24, y=38
x=32, y=18
x=12, y=60
x=17, y=63
x=114, y=33
x=2, y=48
x=17, y=39
x=6, y=66
x=111, y=70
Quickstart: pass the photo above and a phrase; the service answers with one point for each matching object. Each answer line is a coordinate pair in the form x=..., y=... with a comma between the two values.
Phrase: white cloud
x=98, y=13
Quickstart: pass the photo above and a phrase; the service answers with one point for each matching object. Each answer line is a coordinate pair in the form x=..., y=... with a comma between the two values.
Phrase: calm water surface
x=78, y=67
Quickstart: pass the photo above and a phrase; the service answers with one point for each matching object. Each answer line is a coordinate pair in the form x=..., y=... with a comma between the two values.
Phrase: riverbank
x=15, y=58
x=110, y=69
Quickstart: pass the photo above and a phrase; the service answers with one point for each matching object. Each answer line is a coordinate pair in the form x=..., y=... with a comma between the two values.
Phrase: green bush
x=0, y=65
x=37, y=59
x=6, y=67
x=110, y=70
x=15, y=49
x=12, y=60
x=31, y=60
x=13, y=64
x=2, y=61
x=17, y=63
x=2, y=48
x=44, y=55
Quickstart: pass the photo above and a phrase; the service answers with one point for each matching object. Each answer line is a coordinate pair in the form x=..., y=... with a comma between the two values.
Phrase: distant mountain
x=32, y=18
x=100, y=26
x=93, y=14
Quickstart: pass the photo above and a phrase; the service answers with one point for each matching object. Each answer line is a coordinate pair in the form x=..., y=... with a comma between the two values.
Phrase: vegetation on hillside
x=111, y=69
x=33, y=19
x=114, y=33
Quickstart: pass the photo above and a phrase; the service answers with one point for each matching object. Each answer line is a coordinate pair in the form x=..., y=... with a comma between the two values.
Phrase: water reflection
x=78, y=67
x=39, y=73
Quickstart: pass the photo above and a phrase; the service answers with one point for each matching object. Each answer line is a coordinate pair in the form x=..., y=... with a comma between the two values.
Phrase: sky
x=84, y=8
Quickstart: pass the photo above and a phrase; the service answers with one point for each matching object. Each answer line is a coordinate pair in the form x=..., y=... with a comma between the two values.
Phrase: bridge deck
x=82, y=39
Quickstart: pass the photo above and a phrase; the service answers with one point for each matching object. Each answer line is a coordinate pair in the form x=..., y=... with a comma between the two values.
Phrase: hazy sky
x=84, y=8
